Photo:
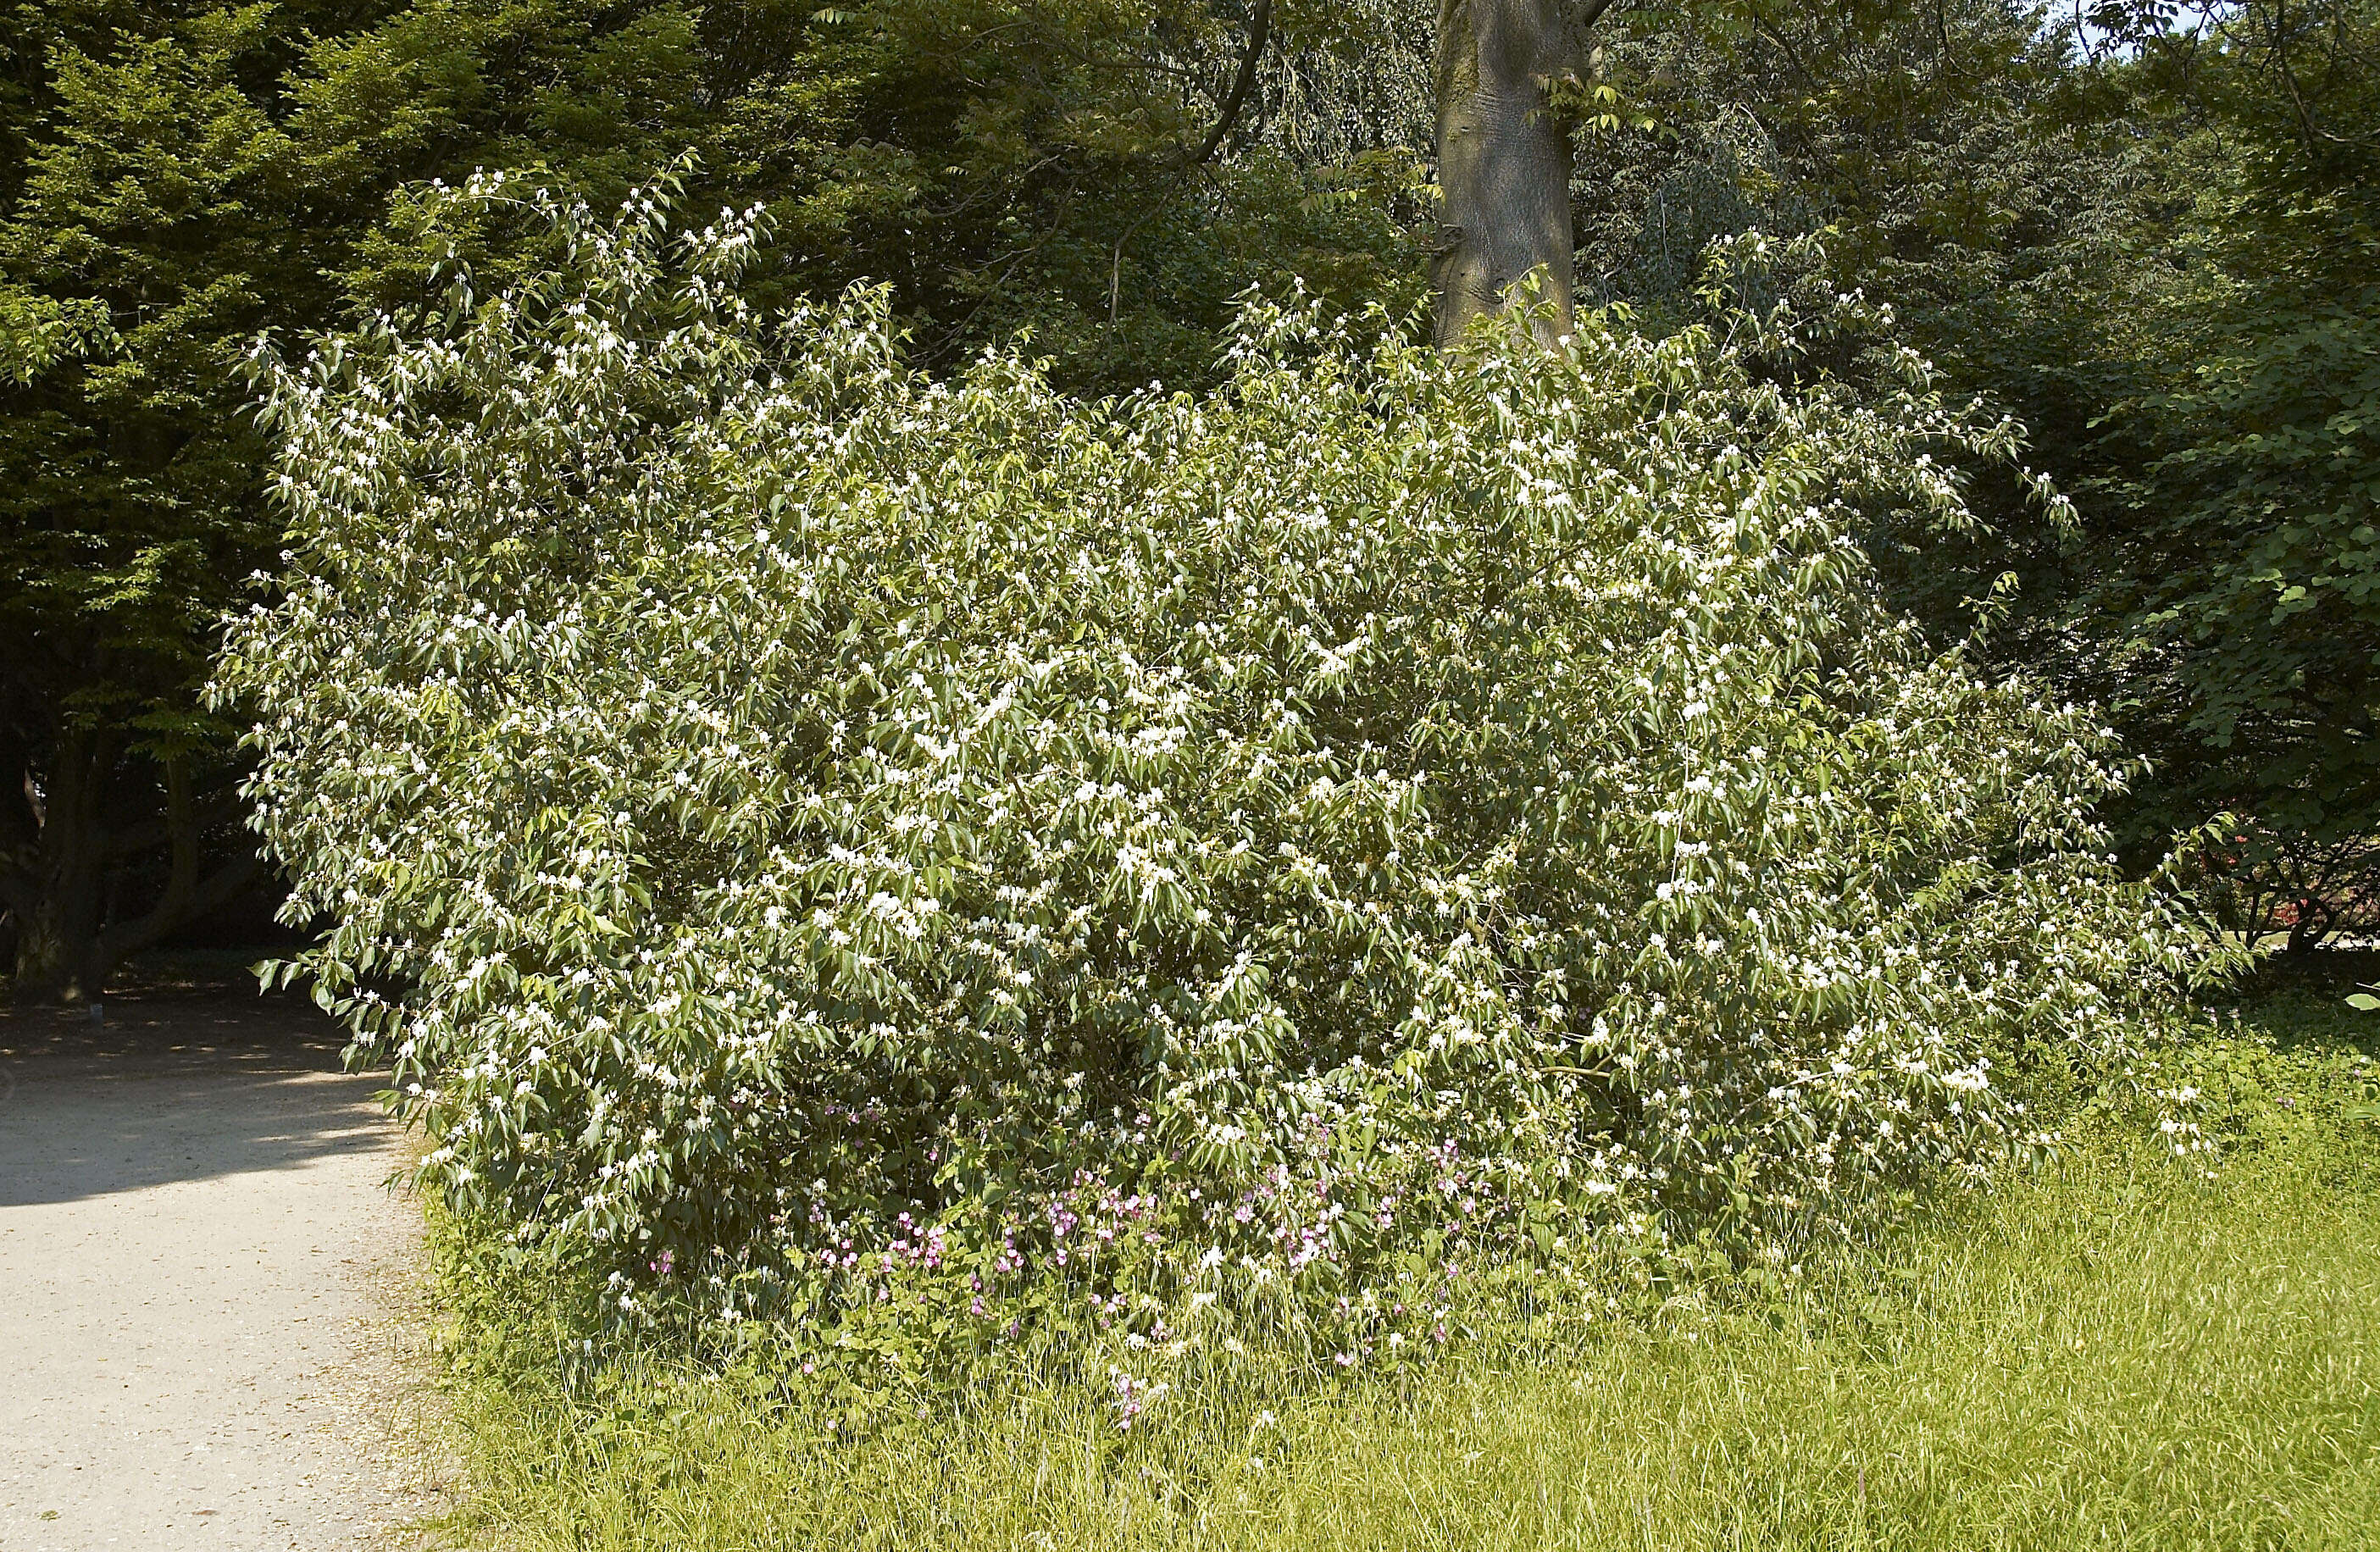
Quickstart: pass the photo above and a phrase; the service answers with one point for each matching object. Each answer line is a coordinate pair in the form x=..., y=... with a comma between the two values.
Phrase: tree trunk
x=58, y=898
x=2310, y=926
x=1504, y=156
x=58, y=958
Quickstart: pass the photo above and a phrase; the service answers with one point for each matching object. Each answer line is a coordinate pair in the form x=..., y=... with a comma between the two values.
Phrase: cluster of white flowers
x=814, y=838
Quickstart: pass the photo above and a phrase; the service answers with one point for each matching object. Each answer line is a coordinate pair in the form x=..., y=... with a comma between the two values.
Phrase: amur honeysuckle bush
x=821, y=843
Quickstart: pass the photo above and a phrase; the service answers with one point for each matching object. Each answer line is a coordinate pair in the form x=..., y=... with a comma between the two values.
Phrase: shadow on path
x=197, y=1254
x=168, y=1091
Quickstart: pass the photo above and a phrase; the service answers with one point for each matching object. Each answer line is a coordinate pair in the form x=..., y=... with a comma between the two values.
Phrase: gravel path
x=208, y=1303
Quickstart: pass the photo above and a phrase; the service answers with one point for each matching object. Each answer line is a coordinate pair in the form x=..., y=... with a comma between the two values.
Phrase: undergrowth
x=2127, y=1348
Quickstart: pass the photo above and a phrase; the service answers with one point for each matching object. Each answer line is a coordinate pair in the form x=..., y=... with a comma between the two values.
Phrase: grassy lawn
x=2121, y=1349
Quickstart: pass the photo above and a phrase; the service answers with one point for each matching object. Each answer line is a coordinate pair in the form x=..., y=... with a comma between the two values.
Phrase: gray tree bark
x=1504, y=155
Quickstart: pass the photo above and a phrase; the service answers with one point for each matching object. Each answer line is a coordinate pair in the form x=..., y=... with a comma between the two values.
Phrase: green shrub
x=813, y=838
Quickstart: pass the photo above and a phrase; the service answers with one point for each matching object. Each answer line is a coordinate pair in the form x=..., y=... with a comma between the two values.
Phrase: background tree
x=2231, y=486
x=2151, y=239
x=138, y=235
x=1507, y=74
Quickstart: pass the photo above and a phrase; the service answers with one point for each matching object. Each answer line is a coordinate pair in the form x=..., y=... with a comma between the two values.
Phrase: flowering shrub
x=811, y=838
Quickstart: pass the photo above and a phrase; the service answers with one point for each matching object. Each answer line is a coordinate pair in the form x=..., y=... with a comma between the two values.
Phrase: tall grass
x=2122, y=1351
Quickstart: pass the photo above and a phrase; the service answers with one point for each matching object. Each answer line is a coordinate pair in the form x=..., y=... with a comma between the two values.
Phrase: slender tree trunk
x=1504, y=156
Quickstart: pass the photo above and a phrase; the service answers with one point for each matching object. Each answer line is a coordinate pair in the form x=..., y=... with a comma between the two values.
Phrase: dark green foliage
x=2238, y=501
x=2161, y=257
